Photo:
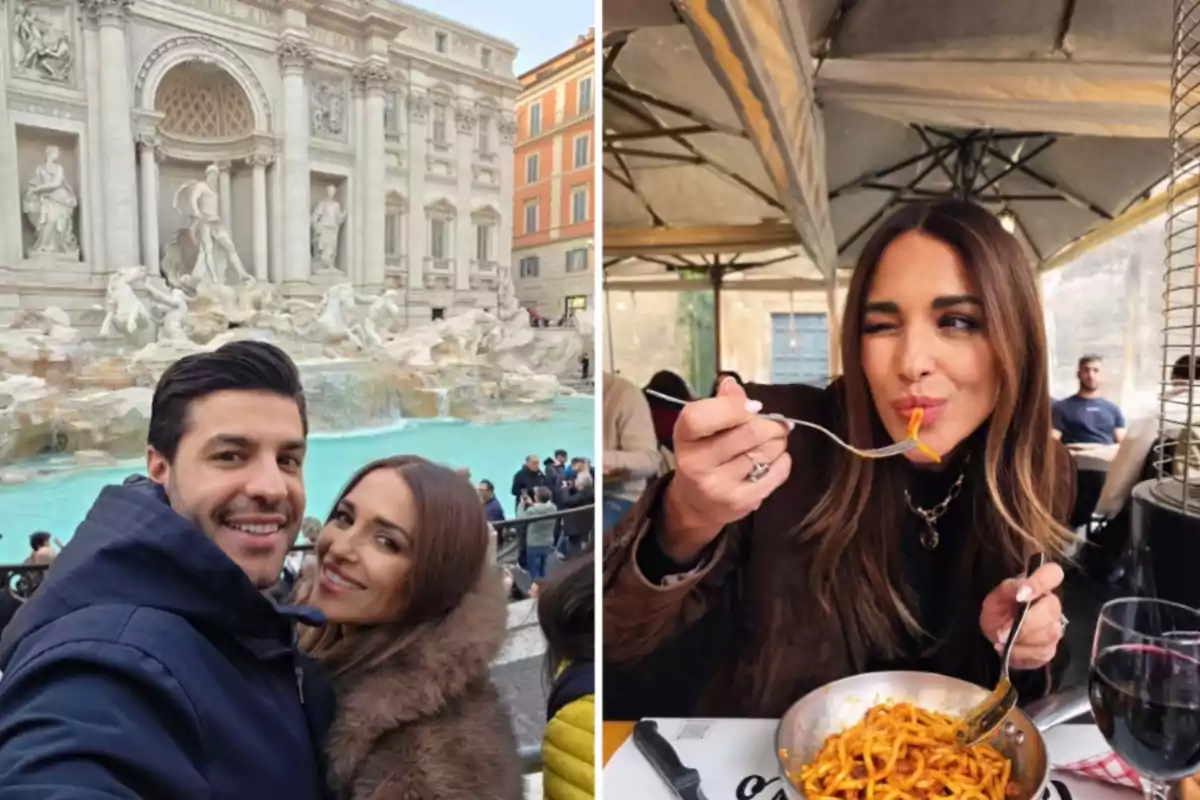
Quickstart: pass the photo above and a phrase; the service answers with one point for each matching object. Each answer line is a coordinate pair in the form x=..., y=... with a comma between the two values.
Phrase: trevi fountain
x=335, y=177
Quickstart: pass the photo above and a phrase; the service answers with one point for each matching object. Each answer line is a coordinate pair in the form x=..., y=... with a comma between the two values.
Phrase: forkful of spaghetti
x=910, y=442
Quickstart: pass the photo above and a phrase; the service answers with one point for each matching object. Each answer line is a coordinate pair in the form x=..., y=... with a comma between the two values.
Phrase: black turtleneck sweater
x=935, y=599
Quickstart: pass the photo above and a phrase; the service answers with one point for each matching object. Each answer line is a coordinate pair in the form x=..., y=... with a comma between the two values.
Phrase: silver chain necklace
x=930, y=538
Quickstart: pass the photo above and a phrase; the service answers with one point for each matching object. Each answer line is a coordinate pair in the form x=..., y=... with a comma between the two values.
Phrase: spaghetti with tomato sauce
x=902, y=752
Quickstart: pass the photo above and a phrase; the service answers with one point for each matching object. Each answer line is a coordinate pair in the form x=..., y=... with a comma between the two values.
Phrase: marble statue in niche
x=43, y=48
x=328, y=109
x=327, y=219
x=215, y=252
x=50, y=205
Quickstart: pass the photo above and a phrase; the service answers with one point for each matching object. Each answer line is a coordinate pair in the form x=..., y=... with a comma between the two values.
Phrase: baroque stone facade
x=110, y=108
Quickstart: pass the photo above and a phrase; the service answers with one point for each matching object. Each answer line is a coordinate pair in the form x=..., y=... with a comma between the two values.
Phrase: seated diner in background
x=772, y=562
x=1085, y=417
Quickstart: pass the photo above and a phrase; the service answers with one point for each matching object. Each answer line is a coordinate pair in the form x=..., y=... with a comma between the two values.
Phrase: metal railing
x=511, y=533
x=20, y=580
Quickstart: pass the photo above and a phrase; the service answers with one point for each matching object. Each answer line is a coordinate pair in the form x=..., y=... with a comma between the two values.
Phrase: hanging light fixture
x=1008, y=220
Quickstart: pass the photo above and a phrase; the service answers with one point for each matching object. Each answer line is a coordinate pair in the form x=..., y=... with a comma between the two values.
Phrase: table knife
x=684, y=782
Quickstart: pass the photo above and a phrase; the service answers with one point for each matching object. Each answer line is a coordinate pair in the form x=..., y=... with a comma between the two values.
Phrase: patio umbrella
x=1053, y=114
x=768, y=269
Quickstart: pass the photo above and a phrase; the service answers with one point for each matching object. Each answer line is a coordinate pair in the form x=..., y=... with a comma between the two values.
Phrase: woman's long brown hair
x=1012, y=485
x=449, y=548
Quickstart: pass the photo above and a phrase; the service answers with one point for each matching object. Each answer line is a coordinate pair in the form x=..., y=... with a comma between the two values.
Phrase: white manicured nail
x=1024, y=594
x=753, y=406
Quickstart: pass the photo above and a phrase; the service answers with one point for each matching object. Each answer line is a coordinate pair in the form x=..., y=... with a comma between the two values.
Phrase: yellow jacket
x=568, y=751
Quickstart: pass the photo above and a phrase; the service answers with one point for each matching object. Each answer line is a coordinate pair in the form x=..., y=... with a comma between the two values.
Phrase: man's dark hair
x=1090, y=358
x=542, y=494
x=560, y=453
x=241, y=366
x=38, y=540
x=491, y=487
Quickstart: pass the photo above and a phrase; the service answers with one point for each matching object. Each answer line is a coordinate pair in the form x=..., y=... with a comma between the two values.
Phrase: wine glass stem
x=1154, y=789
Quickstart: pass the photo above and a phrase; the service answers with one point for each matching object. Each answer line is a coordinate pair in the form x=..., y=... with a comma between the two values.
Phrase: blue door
x=800, y=348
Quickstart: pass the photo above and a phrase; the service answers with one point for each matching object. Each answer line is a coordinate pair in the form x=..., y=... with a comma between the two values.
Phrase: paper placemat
x=736, y=760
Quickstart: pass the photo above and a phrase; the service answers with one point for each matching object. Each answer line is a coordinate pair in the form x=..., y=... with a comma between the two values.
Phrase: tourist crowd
x=162, y=656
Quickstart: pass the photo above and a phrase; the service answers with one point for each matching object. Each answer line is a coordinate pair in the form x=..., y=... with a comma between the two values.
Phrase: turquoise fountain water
x=58, y=503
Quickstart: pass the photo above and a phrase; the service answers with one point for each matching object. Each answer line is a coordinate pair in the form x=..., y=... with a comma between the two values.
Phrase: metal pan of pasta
x=890, y=736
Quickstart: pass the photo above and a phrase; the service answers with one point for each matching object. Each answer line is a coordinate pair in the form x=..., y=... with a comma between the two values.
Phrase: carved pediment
x=441, y=207
x=485, y=214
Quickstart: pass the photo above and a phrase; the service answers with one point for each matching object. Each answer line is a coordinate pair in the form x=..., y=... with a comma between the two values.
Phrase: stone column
x=258, y=165
x=506, y=128
x=276, y=181
x=116, y=134
x=418, y=222
x=96, y=250
x=148, y=154
x=353, y=238
x=225, y=193
x=294, y=58
x=375, y=77
x=465, y=120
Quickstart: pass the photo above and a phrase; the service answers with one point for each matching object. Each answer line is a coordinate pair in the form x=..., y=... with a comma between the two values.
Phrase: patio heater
x=1166, y=509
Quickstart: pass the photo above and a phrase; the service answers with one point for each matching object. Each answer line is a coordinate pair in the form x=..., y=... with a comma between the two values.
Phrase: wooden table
x=612, y=736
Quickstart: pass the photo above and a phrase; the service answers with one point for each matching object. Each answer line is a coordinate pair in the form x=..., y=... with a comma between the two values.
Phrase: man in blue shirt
x=491, y=506
x=1086, y=417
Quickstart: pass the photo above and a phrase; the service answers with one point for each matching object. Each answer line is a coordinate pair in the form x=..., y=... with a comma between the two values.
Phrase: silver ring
x=1064, y=622
x=758, y=471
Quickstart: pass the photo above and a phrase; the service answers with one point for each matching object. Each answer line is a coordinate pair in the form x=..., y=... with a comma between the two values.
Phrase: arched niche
x=204, y=50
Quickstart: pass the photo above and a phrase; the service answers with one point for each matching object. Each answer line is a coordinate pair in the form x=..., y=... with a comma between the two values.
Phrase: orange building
x=553, y=197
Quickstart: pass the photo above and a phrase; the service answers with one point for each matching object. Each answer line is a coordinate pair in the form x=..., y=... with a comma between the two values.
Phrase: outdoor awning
x=710, y=129
x=772, y=270
x=1053, y=112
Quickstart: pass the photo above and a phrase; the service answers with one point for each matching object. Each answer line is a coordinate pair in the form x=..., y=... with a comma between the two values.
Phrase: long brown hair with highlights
x=450, y=546
x=1011, y=483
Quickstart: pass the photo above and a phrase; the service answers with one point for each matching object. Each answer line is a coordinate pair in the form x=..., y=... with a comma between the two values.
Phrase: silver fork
x=894, y=449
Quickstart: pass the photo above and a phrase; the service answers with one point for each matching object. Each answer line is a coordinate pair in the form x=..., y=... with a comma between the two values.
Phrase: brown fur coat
x=429, y=724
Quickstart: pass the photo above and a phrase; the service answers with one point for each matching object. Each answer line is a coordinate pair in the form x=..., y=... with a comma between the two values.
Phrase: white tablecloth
x=1095, y=457
x=737, y=756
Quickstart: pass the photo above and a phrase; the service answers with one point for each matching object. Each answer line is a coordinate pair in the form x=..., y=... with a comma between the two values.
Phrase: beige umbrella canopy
x=680, y=173
x=1052, y=113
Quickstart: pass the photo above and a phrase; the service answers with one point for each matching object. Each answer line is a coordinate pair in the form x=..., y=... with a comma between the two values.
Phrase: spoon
x=982, y=720
x=894, y=449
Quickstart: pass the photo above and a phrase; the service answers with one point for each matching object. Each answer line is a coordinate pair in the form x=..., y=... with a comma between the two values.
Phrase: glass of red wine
x=1145, y=688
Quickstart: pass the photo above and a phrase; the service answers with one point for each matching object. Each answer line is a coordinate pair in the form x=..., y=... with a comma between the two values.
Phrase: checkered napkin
x=1105, y=767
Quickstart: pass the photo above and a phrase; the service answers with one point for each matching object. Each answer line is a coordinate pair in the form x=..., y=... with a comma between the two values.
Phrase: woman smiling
x=415, y=617
x=772, y=562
